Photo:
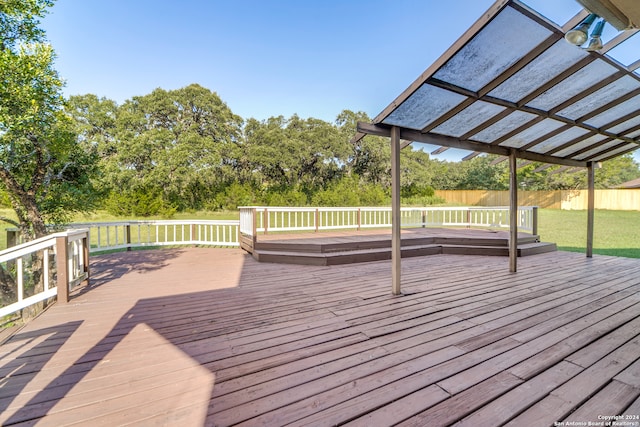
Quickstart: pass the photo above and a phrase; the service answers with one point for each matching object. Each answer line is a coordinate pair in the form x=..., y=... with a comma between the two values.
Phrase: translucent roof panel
x=613, y=113
x=600, y=98
x=503, y=127
x=510, y=34
x=614, y=152
x=627, y=53
x=532, y=133
x=469, y=118
x=525, y=89
x=580, y=145
x=424, y=106
x=558, y=140
x=625, y=126
x=594, y=151
x=552, y=62
x=580, y=81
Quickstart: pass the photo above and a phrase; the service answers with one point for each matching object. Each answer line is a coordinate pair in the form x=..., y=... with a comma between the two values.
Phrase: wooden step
x=319, y=258
x=309, y=246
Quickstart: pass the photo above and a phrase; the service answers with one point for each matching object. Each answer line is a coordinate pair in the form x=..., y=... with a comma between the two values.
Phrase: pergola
x=512, y=86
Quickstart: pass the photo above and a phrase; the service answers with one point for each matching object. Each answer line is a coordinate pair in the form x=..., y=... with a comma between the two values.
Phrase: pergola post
x=590, y=206
x=513, y=212
x=396, y=253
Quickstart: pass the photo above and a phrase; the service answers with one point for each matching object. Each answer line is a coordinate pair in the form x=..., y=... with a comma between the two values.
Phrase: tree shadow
x=31, y=352
x=108, y=267
x=172, y=317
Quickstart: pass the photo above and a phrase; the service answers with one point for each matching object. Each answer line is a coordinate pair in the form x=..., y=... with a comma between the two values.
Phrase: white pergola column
x=396, y=253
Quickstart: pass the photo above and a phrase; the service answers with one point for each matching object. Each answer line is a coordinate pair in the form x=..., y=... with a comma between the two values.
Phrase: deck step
x=309, y=246
x=319, y=258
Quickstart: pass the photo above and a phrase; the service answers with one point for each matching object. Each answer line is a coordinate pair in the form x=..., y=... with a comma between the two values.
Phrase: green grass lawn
x=616, y=232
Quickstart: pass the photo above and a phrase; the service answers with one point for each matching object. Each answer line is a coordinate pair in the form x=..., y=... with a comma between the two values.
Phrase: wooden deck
x=349, y=246
x=198, y=336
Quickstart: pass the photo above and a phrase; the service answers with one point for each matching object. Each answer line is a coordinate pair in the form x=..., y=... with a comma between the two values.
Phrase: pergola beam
x=448, y=141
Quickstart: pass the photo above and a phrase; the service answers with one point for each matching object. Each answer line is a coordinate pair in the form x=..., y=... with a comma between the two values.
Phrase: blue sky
x=263, y=58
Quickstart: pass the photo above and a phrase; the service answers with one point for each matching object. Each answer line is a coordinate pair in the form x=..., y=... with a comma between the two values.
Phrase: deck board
x=204, y=336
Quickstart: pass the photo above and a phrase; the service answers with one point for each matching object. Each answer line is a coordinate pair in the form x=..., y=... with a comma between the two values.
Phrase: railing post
x=86, y=241
x=424, y=218
x=317, y=219
x=12, y=238
x=62, y=268
x=359, y=220
x=534, y=220
x=254, y=230
x=468, y=218
x=265, y=220
x=127, y=236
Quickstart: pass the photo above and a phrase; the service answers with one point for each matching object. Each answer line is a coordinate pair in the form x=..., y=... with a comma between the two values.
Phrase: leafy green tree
x=178, y=145
x=45, y=173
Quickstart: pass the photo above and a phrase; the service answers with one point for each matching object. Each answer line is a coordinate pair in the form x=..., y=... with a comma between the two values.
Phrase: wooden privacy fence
x=619, y=200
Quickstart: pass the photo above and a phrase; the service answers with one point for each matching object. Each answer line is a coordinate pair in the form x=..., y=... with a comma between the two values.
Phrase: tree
x=42, y=168
x=166, y=150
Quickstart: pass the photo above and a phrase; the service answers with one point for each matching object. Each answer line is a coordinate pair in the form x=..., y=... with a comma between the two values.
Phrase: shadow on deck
x=211, y=337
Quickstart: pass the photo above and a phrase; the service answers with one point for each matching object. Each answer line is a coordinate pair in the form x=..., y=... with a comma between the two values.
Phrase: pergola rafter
x=511, y=86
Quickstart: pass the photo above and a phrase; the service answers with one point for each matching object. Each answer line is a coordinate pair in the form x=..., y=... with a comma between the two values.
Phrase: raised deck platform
x=348, y=247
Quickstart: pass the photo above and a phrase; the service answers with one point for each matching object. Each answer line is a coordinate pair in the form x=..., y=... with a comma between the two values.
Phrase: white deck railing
x=105, y=236
x=76, y=243
x=64, y=263
x=261, y=219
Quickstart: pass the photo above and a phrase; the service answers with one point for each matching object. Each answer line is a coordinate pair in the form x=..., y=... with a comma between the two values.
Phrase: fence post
x=534, y=220
x=317, y=220
x=62, y=268
x=359, y=219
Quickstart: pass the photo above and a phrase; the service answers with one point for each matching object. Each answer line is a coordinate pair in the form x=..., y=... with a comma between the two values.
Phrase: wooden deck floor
x=198, y=336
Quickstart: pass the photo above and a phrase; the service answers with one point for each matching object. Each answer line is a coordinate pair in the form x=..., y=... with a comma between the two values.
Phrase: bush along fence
x=34, y=272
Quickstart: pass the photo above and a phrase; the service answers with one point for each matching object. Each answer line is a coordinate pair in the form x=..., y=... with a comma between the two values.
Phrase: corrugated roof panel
x=532, y=133
x=583, y=79
x=503, y=127
x=469, y=118
x=601, y=97
x=424, y=106
x=548, y=65
x=558, y=140
x=580, y=145
x=594, y=151
x=510, y=34
x=614, y=152
x=614, y=113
